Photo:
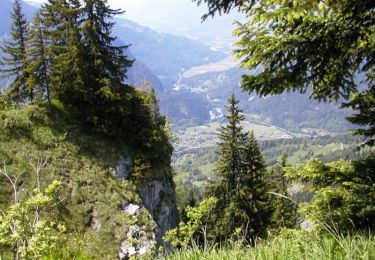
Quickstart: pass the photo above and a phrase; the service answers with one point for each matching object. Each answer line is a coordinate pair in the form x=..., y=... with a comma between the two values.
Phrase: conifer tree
x=253, y=185
x=38, y=67
x=106, y=64
x=285, y=211
x=62, y=20
x=15, y=60
x=243, y=206
x=230, y=138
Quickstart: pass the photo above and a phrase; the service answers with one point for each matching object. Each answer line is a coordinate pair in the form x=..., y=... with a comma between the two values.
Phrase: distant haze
x=180, y=17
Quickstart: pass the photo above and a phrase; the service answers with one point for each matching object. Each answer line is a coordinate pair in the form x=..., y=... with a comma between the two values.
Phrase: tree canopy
x=323, y=48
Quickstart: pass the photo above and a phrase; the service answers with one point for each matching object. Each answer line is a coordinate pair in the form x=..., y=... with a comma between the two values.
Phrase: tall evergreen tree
x=253, y=185
x=243, y=206
x=106, y=64
x=364, y=103
x=62, y=20
x=285, y=210
x=15, y=60
x=230, y=138
x=38, y=66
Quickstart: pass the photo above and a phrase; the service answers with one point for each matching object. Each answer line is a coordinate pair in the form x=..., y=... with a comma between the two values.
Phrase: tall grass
x=289, y=245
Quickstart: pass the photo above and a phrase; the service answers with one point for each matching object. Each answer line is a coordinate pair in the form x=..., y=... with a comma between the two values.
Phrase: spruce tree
x=228, y=168
x=243, y=206
x=285, y=210
x=253, y=185
x=15, y=60
x=230, y=138
x=364, y=103
x=106, y=64
x=38, y=67
x=62, y=20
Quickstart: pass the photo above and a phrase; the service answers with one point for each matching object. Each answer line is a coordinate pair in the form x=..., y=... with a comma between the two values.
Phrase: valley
x=138, y=135
x=194, y=138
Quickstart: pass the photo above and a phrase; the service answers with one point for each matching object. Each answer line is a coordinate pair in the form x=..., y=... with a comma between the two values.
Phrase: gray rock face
x=94, y=222
x=159, y=199
x=136, y=244
x=123, y=168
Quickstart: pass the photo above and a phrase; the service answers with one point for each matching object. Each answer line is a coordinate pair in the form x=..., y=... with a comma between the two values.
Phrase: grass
x=289, y=245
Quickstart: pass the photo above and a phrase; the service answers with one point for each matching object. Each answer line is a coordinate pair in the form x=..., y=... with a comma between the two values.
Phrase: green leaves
x=198, y=218
x=344, y=193
x=23, y=228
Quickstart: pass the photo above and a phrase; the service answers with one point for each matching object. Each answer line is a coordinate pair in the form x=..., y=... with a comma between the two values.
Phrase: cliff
x=110, y=204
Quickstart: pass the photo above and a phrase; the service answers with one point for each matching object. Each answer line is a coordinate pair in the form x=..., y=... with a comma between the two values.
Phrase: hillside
x=295, y=112
x=97, y=182
x=166, y=55
x=86, y=157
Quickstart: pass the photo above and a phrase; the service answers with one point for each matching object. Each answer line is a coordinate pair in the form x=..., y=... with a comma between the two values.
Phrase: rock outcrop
x=138, y=241
x=158, y=197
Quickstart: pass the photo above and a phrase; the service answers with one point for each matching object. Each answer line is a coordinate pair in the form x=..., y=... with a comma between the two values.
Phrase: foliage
x=194, y=229
x=317, y=47
x=341, y=31
x=38, y=66
x=23, y=227
x=290, y=244
x=344, y=193
x=243, y=204
x=77, y=159
x=231, y=137
x=82, y=118
x=15, y=60
x=364, y=103
x=285, y=209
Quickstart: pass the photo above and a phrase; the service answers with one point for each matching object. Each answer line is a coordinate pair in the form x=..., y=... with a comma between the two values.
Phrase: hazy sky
x=135, y=7
x=154, y=12
x=180, y=17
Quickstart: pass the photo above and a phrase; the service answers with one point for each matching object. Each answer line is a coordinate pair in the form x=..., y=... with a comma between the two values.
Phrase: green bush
x=344, y=193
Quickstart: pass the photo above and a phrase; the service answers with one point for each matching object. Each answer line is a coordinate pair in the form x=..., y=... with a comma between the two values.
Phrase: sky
x=179, y=17
x=139, y=9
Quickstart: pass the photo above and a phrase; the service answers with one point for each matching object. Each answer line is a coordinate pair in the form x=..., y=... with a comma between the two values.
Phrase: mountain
x=159, y=57
x=183, y=18
x=166, y=55
x=193, y=81
x=292, y=111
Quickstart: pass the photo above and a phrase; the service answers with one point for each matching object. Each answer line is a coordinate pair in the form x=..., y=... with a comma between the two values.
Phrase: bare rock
x=131, y=209
x=123, y=168
x=136, y=244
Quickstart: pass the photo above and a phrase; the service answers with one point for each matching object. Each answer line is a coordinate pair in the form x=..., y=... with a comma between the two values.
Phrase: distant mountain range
x=164, y=54
x=159, y=56
x=292, y=111
x=163, y=59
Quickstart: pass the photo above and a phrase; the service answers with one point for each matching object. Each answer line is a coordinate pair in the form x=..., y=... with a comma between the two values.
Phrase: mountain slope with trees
x=317, y=47
x=93, y=145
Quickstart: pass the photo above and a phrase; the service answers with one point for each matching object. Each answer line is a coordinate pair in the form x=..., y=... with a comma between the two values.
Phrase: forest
x=87, y=168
